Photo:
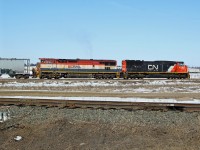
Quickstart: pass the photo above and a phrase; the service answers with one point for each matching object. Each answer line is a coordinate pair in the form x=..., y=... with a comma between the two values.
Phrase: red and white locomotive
x=57, y=68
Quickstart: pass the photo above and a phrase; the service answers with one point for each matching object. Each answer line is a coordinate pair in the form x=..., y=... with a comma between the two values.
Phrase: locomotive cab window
x=181, y=64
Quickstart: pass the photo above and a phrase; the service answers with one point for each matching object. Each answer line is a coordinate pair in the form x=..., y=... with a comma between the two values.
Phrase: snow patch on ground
x=157, y=82
x=59, y=84
x=5, y=76
x=195, y=75
x=135, y=86
x=110, y=99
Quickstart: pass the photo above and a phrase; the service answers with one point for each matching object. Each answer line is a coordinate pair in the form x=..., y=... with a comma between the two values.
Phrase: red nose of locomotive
x=180, y=68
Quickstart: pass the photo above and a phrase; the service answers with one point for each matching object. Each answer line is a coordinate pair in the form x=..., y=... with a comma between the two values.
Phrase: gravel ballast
x=55, y=128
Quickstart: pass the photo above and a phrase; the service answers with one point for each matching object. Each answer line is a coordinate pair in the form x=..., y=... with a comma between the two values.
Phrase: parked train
x=107, y=69
x=58, y=68
x=154, y=69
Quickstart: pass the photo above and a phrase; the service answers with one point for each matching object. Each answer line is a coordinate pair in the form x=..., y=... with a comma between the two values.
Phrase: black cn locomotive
x=154, y=69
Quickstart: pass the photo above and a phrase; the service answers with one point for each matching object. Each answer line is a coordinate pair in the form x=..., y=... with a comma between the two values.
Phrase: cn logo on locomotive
x=152, y=67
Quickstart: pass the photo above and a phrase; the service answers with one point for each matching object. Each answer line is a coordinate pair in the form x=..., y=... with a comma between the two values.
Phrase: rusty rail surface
x=99, y=104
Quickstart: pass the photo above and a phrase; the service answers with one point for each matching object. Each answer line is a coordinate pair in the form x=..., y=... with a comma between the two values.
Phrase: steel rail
x=99, y=104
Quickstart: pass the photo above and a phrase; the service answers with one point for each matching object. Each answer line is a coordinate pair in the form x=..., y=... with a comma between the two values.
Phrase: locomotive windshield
x=181, y=63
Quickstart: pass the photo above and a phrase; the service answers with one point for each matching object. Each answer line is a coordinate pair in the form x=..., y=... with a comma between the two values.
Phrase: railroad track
x=92, y=79
x=98, y=104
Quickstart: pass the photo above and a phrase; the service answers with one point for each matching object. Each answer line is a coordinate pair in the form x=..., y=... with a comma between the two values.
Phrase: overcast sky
x=101, y=29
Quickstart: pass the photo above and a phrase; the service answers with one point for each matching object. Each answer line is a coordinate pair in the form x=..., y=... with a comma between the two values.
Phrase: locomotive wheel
x=17, y=76
x=26, y=77
x=49, y=77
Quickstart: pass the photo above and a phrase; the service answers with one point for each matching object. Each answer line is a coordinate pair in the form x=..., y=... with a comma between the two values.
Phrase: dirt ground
x=54, y=128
